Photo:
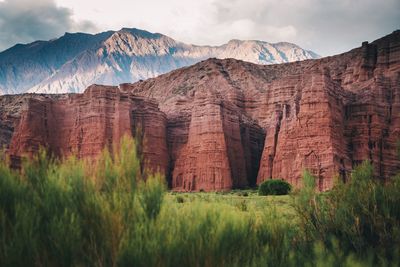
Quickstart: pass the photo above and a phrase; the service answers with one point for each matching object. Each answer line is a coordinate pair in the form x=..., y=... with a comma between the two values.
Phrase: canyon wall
x=84, y=124
x=223, y=124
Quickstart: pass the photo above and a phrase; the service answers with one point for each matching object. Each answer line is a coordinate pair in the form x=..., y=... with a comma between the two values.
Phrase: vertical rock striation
x=223, y=124
x=84, y=124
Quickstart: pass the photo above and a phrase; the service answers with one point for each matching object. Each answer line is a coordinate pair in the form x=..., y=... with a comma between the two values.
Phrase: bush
x=362, y=217
x=274, y=187
x=72, y=213
x=151, y=195
x=180, y=199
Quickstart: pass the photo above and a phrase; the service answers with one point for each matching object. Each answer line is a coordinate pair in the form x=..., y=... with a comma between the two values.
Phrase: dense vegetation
x=72, y=213
x=274, y=187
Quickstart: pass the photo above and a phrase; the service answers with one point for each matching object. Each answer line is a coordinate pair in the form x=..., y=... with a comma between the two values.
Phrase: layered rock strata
x=223, y=124
x=84, y=124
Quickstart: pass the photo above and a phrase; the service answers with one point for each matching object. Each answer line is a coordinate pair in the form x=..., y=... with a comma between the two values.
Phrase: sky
x=326, y=27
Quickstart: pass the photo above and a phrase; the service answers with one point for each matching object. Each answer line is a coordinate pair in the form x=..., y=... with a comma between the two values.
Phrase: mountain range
x=76, y=60
x=225, y=123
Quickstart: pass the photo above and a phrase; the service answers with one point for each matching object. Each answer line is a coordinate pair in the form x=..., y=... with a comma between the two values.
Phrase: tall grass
x=360, y=219
x=108, y=213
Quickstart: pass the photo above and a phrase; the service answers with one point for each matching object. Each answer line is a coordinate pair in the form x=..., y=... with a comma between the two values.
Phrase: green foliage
x=274, y=187
x=151, y=195
x=56, y=213
x=76, y=213
x=180, y=199
x=361, y=217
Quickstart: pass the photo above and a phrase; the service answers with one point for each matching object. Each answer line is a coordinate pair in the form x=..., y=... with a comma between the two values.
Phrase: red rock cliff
x=84, y=124
x=228, y=123
x=324, y=115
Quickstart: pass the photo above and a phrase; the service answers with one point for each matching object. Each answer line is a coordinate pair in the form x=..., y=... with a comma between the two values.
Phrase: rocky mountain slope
x=75, y=61
x=224, y=124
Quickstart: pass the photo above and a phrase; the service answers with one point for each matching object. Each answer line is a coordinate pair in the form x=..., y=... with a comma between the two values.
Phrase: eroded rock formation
x=83, y=124
x=224, y=124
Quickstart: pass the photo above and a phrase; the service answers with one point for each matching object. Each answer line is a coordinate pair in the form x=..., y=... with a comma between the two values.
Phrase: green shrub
x=361, y=217
x=180, y=199
x=274, y=187
x=151, y=194
x=72, y=213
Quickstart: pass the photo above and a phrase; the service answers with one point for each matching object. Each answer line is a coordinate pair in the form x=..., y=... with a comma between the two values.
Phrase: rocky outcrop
x=84, y=124
x=221, y=151
x=313, y=114
x=224, y=124
x=11, y=108
x=305, y=130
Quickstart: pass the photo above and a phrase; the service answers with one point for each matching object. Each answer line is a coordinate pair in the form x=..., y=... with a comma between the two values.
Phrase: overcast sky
x=326, y=27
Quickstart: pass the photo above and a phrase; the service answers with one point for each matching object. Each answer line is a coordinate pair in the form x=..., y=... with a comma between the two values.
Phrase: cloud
x=23, y=21
x=325, y=26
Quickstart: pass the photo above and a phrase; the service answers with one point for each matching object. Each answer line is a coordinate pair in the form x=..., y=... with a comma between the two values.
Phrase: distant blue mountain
x=76, y=60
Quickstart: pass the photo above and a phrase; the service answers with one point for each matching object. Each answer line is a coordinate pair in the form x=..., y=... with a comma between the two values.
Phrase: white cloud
x=324, y=26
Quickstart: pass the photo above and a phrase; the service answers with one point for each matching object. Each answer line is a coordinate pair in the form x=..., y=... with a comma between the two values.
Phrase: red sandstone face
x=228, y=123
x=84, y=124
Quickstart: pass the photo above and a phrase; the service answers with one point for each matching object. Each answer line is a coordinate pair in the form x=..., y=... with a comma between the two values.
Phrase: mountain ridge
x=225, y=123
x=73, y=61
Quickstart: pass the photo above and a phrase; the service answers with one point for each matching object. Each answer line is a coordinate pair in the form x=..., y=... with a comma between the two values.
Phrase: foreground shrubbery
x=70, y=214
x=274, y=187
x=359, y=218
x=76, y=214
